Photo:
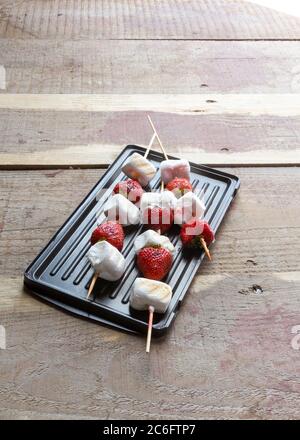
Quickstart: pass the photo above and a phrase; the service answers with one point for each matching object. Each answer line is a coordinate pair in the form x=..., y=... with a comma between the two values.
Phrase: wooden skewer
x=206, y=250
x=158, y=138
x=94, y=279
x=203, y=242
x=96, y=275
x=150, y=323
x=145, y=156
x=150, y=145
x=155, y=135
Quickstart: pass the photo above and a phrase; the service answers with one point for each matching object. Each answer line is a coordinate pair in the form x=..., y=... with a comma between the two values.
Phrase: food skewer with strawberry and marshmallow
x=155, y=254
x=189, y=208
x=108, y=238
x=105, y=253
x=171, y=169
x=128, y=193
x=157, y=207
x=188, y=213
x=119, y=211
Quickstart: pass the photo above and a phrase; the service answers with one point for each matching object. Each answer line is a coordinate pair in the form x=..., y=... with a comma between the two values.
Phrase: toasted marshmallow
x=188, y=206
x=122, y=210
x=107, y=261
x=169, y=169
x=153, y=293
x=139, y=168
x=152, y=238
x=165, y=199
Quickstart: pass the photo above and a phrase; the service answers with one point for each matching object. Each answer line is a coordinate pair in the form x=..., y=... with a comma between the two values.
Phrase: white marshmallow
x=152, y=238
x=139, y=168
x=168, y=199
x=169, y=169
x=188, y=206
x=121, y=209
x=107, y=261
x=165, y=199
x=153, y=293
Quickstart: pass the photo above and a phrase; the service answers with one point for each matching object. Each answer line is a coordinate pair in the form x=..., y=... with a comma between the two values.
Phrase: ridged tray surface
x=61, y=273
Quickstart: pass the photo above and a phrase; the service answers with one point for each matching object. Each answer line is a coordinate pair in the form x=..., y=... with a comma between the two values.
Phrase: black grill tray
x=61, y=273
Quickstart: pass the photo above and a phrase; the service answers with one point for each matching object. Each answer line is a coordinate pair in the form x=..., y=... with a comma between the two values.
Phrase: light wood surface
x=97, y=66
x=139, y=19
x=94, y=139
x=220, y=79
x=60, y=366
x=277, y=104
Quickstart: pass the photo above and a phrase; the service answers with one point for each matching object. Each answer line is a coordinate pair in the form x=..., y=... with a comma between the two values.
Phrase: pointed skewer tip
x=158, y=138
x=206, y=250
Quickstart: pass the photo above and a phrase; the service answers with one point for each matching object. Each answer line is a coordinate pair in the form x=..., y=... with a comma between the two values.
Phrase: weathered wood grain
x=229, y=353
x=123, y=66
x=55, y=139
x=35, y=203
x=277, y=104
x=139, y=19
x=49, y=198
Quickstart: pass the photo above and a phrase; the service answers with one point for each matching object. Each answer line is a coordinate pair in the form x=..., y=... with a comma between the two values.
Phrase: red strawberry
x=179, y=186
x=154, y=262
x=157, y=218
x=110, y=231
x=131, y=189
x=192, y=232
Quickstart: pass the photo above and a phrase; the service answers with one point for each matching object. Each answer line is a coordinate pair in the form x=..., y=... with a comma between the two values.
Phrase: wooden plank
x=277, y=104
x=225, y=336
x=47, y=197
x=49, y=66
x=36, y=139
x=100, y=156
x=137, y=19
